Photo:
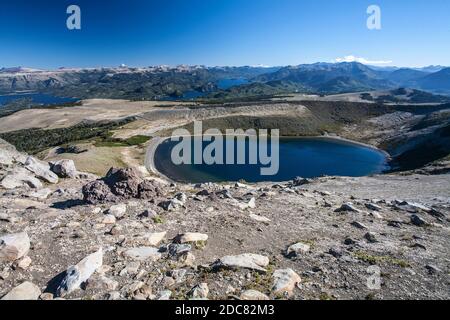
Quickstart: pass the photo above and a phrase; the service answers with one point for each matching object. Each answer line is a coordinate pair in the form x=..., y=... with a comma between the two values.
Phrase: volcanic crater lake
x=304, y=157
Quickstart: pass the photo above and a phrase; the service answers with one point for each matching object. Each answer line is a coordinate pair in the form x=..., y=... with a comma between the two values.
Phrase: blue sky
x=222, y=32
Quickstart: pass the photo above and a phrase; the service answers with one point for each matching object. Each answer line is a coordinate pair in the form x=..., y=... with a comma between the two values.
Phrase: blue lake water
x=38, y=98
x=225, y=84
x=188, y=95
x=305, y=157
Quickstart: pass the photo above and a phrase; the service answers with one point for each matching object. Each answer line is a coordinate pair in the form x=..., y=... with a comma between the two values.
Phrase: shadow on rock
x=67, y=204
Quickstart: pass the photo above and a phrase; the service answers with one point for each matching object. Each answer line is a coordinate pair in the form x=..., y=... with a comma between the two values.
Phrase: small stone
x=114, y=295
x=23, y=263
x=241, y=185
x=359, y=225
x=395, y=224
x=249, y=205
x=168, y=205
x=46, y=296
x=176, y=250
x=253, y=295
x=299, y=181
x=118, y=210
x=418, y=221
x=230, y=290
x=200, y=291
x=148, y=214
x=153, y=239
x=350, y=241
x=225, y=194
x=143, y=253
x=285, y=281
x=371, y=237
x=4, y=274
x=203, y=193
x=245, y=261
x=168, y=282
x=335, y=252
x=24, y=291
x=432, y=269
x=14, y=246
x=79, y=234
x=109, y=219
x=259, y=218
x=187, y=259
x=131, y=268
x=178, y=275
x=347, y=207
x=191, y=237
x=143, y=293
x=181, y=197
x=164, y=295
x=418, y=245
x=102, y=283
x=116, y=230
x=96, y=210
x=372, y=206
x=297, y=249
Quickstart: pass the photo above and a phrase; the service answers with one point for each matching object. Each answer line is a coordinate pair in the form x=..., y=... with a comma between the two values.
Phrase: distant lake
x=38, y=98
x=305, y=157
x=225, y=84
x=188, y=95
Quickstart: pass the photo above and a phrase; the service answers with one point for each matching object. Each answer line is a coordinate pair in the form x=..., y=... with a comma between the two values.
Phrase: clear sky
x=222, y=32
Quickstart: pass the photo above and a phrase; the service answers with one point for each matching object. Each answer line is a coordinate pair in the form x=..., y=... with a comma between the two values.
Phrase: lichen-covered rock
x=79, y=273
x=285, y=281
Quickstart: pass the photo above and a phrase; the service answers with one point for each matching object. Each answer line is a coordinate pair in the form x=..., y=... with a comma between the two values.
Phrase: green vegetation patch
x=372, y=259
x=36, y=140
x=115, y=142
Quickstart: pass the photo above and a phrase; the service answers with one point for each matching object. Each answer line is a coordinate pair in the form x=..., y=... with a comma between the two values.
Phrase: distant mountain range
x=163, y=81
x=330, y=78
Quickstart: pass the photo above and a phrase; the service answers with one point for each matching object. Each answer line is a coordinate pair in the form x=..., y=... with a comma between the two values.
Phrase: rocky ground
x=65, y=234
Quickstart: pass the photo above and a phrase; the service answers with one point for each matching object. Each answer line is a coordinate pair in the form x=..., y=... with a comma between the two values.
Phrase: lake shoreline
x=152, y=146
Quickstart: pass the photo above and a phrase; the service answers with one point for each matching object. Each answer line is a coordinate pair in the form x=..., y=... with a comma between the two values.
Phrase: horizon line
x=219, y=66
